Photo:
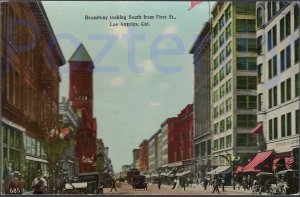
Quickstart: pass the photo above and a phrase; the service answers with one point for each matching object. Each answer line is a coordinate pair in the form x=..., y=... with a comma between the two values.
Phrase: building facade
x=69, y=121
x=30, y=86
x=100, y=155
x=278, y=79
x=144, y=155
x=183, y=135
x=81, y=98
x=164, y=142
x=152, y=153
x=202, y=101
x=234, y=80
x=136, y=156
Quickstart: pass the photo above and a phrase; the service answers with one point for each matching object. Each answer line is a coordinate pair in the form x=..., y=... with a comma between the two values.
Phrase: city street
x=125, y=188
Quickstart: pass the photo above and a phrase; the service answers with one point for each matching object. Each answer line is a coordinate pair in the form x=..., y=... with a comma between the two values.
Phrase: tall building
x=278, y=80
x=144, y=155
x=159, y=148
x=202, y=101
x=30, y=86
x=81, y=98
x=233, y=81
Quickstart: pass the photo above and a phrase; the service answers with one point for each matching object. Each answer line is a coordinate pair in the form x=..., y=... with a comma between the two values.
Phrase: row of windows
x=245, y=25
x=285, y=61
x=219, y=144
x=222, y=21
x=285, y=92
x=220, y=127
x=245, y=7
x=245, y=45
x=246, y=120
x=224, y=106
x=285, y=125
x=224, y=71
x=285, y=28
x=246, y=82
x=222, y=91
x=222, y=56
x=246, y=140
x=222, y=39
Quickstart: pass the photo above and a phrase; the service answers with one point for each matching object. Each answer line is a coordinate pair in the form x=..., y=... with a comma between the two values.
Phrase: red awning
x=258, y=159
x=239, y=169
x=258, y=129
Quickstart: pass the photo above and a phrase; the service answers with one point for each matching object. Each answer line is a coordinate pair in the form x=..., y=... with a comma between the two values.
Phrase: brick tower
x=81, y=97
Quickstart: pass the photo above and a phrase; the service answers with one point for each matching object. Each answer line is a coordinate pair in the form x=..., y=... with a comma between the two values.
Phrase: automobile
x=138, y=182
x=264, y=181
x=289, y=181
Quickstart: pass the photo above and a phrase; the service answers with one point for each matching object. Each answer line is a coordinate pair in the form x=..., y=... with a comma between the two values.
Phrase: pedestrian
x=14, y=186
x=216, y=185
x=249, y=182
x=113, y=185
x=205, y=183
x=174, y=183
x=244, y=182
x=223, y=184
x=183, y=183
x=39, y=184
x=177, y=183
x=255, y=187
x=159, y=183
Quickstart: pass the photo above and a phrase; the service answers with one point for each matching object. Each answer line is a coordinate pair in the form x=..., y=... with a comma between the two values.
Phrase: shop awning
x=182, y=173
x=239, y=169
x=220, y=170
x=175, y=164
x=257, y=160
x=166, y=173
x=258, y=129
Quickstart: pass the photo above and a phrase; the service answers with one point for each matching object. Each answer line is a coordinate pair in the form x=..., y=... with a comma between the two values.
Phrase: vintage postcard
x=149, y=97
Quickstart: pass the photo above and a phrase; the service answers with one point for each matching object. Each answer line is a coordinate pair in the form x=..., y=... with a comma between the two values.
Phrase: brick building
x=143, y=160
x=30, y=61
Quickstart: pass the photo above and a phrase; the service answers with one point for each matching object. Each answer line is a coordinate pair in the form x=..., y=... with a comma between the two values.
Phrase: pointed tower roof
x=81, y=55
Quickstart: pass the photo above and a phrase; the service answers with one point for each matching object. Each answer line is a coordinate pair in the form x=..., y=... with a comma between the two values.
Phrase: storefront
x=13, y=148
x=35, y=160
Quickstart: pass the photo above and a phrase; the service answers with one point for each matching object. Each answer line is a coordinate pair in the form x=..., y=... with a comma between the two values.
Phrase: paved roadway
x=125, y=188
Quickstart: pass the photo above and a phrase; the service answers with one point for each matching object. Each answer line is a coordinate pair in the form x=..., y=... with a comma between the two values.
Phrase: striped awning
x=257, y=160
x=239, y=169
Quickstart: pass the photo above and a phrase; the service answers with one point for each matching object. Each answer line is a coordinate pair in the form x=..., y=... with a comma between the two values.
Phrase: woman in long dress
x=177, y=184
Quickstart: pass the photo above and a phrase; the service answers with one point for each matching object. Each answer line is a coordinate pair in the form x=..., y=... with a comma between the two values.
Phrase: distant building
x=70, y=123
x=136, y=156
x=144, y=155
x=202, y=101
x=164, y=142
x=107, y=162
x=152, y=157
x=100, y=155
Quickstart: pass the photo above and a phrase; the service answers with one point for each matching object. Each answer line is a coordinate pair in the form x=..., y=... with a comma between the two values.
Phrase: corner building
x=278, y=80
x=234, y=79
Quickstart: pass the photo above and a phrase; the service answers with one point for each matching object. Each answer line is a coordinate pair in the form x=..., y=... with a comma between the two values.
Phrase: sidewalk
x=226, y=189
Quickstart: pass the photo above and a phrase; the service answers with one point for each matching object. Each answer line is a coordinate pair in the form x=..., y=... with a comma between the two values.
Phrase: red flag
x=194, y=4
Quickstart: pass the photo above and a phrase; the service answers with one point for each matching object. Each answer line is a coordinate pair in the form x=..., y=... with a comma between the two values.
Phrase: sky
x=143, y=75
